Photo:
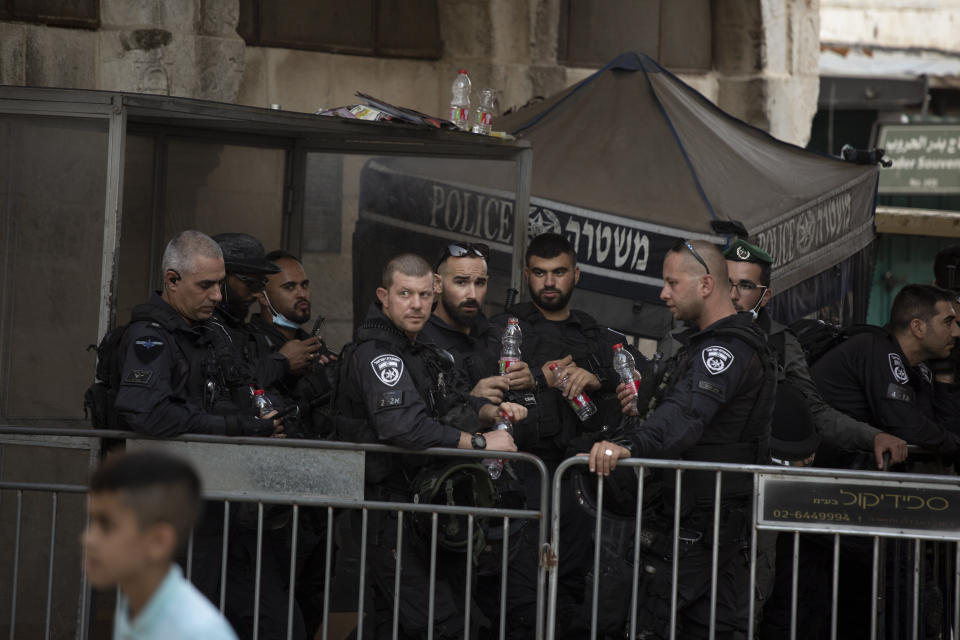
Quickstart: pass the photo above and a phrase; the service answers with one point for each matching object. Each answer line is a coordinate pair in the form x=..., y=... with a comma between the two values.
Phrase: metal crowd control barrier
x=296, y=473
x=845, y=505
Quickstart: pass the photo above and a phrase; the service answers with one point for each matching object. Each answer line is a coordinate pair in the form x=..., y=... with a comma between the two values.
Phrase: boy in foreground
x=142, y=507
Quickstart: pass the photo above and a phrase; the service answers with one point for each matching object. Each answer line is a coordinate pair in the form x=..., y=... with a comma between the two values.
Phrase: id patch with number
x=138, y=376
x=390, y=399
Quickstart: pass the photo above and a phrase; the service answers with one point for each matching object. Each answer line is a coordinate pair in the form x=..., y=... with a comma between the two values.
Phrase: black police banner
x=617, y=256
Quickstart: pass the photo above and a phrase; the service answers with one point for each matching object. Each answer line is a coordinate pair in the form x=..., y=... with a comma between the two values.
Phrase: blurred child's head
x=142, y=507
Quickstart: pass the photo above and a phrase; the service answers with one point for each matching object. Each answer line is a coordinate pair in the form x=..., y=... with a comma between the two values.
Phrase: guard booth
x=92, y=186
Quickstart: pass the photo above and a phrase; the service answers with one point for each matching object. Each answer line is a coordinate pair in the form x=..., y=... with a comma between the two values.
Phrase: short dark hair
x=409, y=264
x=916, y=301
x=280, y=254
x=549, y=245
x=157, y=486
x=946, y=258
x=765, y=269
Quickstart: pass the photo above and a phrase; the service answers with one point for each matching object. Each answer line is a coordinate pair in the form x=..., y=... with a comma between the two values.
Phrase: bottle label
x=580, y=401
x=635, y=385
x=458, y=114
x=505, y=364
x=484, y=117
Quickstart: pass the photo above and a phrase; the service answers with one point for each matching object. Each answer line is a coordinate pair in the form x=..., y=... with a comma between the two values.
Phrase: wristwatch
x=477, y=441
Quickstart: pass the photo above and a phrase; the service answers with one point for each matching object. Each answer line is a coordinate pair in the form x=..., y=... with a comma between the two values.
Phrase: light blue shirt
x=175, y=611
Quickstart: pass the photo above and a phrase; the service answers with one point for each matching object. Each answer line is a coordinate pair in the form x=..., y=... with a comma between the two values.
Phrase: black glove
x=248, y=426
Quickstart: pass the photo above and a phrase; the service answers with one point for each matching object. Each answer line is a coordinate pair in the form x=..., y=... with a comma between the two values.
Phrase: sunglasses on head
x=460, y=249
x=254, y=284
x=697, y=256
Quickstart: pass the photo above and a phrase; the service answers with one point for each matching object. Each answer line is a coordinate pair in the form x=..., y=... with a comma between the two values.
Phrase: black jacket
x=869, y=378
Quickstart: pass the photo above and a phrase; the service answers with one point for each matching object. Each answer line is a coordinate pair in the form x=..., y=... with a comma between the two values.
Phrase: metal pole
x=293, y=570
x=714, y=559
x=53, y=539
x=676, y=553
x=396, y=576
x=223, y=556
x=112, y=214
x=521, y=218
x=503, y=582
x=363, y=570
x=16, y=567
x=257, y=566
x=597, y=532
x=794, y=580
x=836, y=594
x=874, y=580
x=468, y=590
x=327, y=561
x=431, y=605
x=636, y=555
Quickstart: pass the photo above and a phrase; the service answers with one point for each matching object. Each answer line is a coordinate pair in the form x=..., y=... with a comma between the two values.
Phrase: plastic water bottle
x=582, y=405
x=460, y=103
x=624, y=364
x=485, y=110
x=262, y=403
x=495, y=465
x=510, y=345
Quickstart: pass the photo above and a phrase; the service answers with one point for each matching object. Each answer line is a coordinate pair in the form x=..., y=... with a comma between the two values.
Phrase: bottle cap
x=504, y=414
x=553, y=367
x=513, y=320
x=618, y=346
x=258, y=392
x=463, y=71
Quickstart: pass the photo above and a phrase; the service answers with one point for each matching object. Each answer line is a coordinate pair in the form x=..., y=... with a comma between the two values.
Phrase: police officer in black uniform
x=714, y=404
x=459, y=326
x=285, y=306
x=881, y=377
x=177, y=369
x=398, y=390
x=180, y=374
x=749, y=269
x=247, y=270
x=553, y=333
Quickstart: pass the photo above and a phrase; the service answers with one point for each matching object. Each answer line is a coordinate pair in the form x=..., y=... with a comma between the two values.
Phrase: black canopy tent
x=625, y=163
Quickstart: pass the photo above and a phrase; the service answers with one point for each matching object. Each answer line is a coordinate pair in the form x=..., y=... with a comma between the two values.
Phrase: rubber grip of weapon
x=511, y=298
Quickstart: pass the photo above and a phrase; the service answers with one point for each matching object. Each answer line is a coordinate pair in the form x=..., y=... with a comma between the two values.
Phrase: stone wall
x=184, y=48
x=923, y=24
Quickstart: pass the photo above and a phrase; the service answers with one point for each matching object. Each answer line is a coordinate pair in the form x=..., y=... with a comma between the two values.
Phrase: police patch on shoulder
x=388, y=368
x=148, y=348
x=716, y=359
x=138, y=376
x=897, y=369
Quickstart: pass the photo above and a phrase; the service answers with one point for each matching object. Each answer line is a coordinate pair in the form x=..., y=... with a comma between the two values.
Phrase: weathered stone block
x=173, y=15
x=13, y=48
x=60, y=58
x=466, y=29
x=253, y=84
x=220, y=17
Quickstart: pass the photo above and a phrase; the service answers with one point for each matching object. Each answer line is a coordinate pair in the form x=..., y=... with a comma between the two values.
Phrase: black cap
x=792, y=435
x=242, y=253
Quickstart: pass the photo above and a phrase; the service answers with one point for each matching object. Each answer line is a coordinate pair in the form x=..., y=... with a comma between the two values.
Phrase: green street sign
x=926, y=158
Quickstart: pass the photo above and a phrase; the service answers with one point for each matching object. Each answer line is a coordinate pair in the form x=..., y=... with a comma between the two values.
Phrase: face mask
x=278, y=318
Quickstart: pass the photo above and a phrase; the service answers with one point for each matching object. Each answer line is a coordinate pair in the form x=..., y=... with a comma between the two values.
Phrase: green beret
x=743, y=251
